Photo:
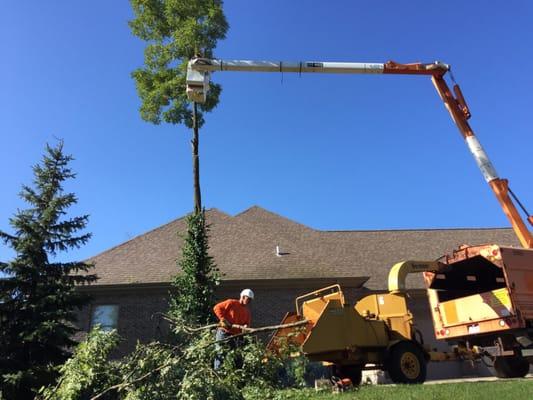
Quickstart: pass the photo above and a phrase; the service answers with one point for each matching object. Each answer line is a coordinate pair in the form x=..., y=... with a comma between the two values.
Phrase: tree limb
x=246, y=331
x=243, y=328
x=123, y=385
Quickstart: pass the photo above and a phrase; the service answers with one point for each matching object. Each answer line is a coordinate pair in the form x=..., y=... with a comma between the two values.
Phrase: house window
x=106, y=316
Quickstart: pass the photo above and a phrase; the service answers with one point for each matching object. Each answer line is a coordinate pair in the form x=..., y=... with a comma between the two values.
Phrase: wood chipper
x=482, y=296
x=375, y=332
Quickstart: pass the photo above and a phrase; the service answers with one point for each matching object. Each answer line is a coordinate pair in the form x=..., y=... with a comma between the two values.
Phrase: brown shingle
x=244, y=247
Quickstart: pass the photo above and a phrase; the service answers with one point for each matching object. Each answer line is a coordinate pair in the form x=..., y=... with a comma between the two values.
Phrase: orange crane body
x=458, y=109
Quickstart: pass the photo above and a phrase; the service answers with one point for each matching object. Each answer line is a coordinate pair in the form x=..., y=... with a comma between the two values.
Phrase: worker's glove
x=224, y=323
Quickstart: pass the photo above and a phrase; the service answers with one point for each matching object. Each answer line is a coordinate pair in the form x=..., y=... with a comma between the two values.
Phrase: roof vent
x=280, y=253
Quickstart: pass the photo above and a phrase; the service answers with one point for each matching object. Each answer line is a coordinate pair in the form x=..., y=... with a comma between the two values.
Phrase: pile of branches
x=185, y=370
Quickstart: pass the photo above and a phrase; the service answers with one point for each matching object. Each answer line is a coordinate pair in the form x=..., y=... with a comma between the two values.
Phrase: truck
x=481, y=297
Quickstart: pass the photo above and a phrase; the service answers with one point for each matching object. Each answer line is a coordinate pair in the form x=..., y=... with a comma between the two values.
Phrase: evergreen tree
x=38, y=297
x=195, y=285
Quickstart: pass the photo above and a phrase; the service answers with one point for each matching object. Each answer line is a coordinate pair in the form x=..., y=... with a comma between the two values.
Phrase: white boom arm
x=198, y=70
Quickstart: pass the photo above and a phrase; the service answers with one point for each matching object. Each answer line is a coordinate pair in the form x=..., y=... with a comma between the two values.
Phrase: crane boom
x=199, y=70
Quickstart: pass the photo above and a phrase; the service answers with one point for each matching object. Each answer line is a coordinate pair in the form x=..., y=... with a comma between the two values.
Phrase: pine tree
x=195, y=285
x=38, y=297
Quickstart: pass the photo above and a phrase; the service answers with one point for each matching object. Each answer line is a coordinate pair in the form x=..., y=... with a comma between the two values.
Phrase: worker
x=232, y=312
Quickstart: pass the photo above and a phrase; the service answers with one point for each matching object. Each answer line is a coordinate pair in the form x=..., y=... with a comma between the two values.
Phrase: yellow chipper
x=376, y=332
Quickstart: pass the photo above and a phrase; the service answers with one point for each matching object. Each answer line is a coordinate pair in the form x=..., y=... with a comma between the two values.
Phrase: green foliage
x=193, y=297
x=176, y=31
x=158, y=371
x=153, y=371
x=296, y=370
x=88, y=371
x=37, y=295
x=244, y=374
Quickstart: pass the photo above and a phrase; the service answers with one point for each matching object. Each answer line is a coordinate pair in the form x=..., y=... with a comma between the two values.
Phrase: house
x=278, y=258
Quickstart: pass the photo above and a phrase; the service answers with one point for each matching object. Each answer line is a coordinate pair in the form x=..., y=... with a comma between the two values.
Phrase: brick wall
x=135, y=321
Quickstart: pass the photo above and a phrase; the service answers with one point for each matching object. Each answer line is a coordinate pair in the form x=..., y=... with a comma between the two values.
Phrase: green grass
x=496, y=390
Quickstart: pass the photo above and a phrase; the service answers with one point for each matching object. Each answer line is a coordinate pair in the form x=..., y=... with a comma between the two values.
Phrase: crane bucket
x=197, y=85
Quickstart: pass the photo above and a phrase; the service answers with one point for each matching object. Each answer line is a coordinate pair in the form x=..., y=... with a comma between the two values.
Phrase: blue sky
x=333, y=152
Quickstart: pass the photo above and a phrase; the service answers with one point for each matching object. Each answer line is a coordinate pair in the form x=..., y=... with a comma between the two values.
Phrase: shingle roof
x=244, y=247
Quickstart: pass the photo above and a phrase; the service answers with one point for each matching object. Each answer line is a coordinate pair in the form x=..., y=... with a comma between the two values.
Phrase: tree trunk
x=196, y=162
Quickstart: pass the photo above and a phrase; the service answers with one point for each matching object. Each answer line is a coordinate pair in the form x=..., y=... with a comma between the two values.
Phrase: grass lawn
x=519, y=389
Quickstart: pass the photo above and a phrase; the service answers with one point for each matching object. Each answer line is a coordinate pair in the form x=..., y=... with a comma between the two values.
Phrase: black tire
x=406, y=363
x=353, y=372
x=511, y=367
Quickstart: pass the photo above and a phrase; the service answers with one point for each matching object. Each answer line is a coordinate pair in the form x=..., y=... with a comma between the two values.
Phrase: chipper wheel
x=511, y=367
x=353, y=372
x=406, y=363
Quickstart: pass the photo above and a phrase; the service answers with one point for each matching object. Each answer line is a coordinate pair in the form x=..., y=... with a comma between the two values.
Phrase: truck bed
x=481, y=290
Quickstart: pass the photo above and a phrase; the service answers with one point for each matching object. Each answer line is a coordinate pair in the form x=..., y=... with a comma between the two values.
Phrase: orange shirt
x=234, y=312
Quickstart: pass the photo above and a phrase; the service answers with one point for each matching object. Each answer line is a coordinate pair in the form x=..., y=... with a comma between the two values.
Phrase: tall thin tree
x=38, y=296
x=176, y=31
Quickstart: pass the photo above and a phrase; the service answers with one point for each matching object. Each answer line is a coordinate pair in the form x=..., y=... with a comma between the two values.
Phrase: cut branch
x=246, y=331
x=123, y=385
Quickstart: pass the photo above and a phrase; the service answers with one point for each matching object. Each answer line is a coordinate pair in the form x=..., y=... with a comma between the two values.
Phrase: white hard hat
x=248, y=293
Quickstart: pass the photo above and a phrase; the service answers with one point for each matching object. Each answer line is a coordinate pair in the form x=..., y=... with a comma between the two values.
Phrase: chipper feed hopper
x=376, y=332
x=482, y=296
